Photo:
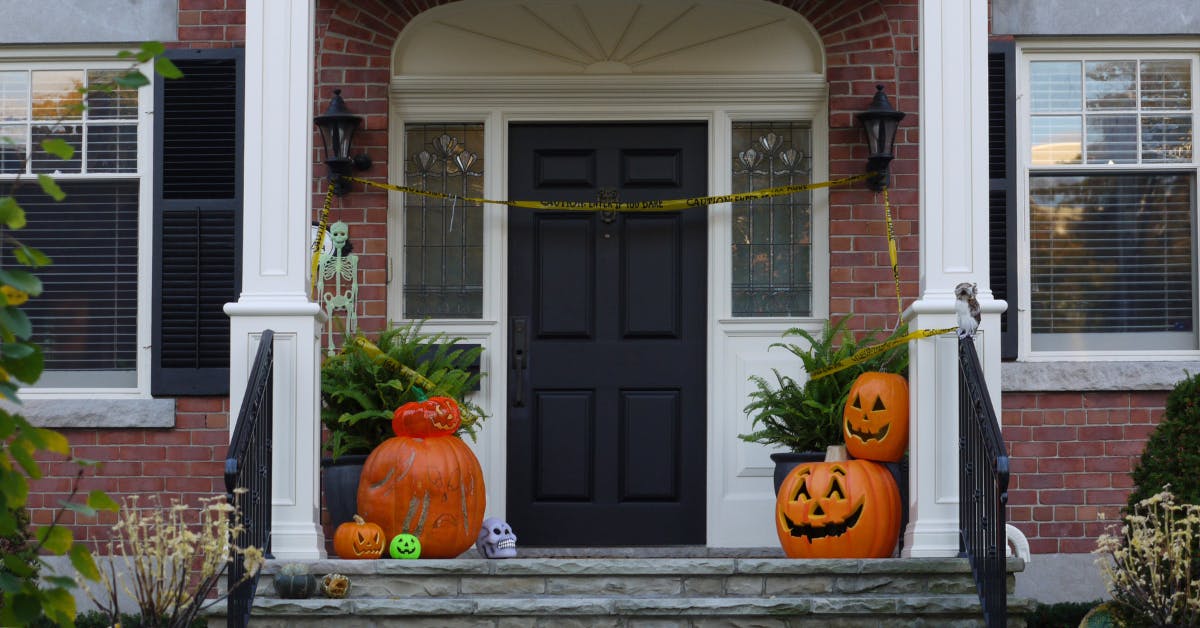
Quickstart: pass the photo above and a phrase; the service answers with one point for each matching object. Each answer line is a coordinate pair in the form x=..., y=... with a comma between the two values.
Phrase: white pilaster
x=275, y=262
x=954, y=237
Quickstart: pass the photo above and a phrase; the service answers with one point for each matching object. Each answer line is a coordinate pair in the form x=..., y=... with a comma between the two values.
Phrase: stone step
x=654, y=591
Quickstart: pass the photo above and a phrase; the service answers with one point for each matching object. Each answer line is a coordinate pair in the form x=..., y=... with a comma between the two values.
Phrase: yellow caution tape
x=624, y=206
x=866, y=353
x=892, y=257
x=322, y=228
x=372, y=350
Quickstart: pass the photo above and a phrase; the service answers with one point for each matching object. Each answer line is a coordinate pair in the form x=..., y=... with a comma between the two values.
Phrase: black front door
x=606, y=403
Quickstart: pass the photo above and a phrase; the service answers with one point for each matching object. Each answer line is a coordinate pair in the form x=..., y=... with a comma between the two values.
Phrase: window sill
x=96, y=413
x=1071, y=376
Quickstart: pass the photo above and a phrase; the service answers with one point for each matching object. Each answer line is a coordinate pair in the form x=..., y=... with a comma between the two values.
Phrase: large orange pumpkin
x=844, y=509
x=875, y=420
x=425, y=481
x=358, y=539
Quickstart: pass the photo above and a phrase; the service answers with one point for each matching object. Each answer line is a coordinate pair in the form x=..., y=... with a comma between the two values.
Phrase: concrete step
x=667, y=592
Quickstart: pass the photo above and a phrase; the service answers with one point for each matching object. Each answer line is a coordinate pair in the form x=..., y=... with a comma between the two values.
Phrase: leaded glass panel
x=772, y=237
x=443, y=238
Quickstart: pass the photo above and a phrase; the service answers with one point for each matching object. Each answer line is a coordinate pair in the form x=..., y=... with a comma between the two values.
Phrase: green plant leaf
x=17, y=565
x=21, y=450
x=101, y=501
x=83, y=562
x=11, y=213
x=30, y=256
x=132, y=80
x=56, y=539
x=58, y=148
x=50, y=440
x=16, y=491
x=50, y=187
x=150, y=49
x=16, y=322
x=16, y=350
x=78, y=508
x=27, y=368
x=8, y=582
x=21, y=280
x=166, y=68
x=59, y=606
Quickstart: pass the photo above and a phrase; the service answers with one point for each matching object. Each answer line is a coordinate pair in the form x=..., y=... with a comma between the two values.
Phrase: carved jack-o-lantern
x=358, y=539
x=875, y=421
x=844, y=509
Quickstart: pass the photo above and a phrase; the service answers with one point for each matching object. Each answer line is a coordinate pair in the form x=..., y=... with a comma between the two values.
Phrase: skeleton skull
x=496, y=539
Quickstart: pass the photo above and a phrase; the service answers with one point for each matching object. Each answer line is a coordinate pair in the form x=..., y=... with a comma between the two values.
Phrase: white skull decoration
x=496, y=539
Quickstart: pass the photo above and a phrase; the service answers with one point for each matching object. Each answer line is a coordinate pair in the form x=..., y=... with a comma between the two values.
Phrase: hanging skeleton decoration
x=340, y=267
x=496, y=539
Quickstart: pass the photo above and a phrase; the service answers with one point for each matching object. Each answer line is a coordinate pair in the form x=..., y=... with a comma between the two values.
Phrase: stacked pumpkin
x=850, y=508
x=424, y=482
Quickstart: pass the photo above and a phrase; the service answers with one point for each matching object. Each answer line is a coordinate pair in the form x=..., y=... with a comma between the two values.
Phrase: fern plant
x=808, y=416
x=364, y=383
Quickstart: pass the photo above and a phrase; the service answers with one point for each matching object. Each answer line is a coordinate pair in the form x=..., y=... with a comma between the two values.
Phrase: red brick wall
x=1071, y=454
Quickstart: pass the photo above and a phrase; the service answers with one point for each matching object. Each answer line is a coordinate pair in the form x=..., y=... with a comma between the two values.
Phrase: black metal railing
x=248, y=478
x=982, y=486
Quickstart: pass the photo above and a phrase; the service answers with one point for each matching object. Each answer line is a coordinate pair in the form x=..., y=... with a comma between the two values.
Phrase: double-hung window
x=86, y=320
x=1108, y=206
x=145, y=244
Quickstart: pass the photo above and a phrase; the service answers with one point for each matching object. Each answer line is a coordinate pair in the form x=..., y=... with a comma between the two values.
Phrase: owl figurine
x=967, y=309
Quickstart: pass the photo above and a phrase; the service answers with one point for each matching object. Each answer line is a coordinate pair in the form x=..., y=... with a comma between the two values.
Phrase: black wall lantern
x=337, y=127
x=880, y=121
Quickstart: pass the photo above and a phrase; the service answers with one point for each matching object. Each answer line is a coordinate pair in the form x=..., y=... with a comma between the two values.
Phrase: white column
x=275, y=263
x=954, y=248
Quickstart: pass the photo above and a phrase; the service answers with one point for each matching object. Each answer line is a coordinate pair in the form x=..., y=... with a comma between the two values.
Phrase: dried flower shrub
x=1153, y=564
x=173, y=558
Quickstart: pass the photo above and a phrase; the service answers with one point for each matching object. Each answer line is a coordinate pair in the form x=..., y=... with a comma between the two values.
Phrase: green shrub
x=1059, y=614
x=1172, y=454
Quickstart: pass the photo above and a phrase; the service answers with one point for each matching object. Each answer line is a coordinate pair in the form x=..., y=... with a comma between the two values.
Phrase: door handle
x=519, y=344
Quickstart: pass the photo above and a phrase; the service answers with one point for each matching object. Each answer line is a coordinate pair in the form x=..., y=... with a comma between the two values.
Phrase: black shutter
x=1002, y=179
x=197, y=220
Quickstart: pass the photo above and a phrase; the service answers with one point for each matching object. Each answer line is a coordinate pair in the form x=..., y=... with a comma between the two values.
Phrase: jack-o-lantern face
x=875, y=420
x=845, y=509
x=405, y=546
x=358, y=539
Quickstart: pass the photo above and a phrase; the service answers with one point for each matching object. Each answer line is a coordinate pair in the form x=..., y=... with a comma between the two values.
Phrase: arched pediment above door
x=614, y=37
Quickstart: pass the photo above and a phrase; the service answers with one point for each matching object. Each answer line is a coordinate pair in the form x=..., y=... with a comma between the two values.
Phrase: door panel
x=607, y=420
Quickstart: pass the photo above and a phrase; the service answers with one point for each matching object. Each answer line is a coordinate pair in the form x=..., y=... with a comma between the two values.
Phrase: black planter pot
x=785, y=461
x=340, y=480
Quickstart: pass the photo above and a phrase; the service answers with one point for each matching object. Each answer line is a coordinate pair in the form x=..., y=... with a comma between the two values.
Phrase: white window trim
x=1083, y=49
x=106, y=58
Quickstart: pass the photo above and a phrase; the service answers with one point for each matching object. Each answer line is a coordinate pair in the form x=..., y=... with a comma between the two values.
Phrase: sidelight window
x=443, y=238
x=772, y=237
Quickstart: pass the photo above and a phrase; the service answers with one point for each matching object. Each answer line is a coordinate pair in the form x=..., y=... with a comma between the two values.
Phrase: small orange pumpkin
x=875, y=420
x=425, y=481
x=358, y=539
x=843, y=509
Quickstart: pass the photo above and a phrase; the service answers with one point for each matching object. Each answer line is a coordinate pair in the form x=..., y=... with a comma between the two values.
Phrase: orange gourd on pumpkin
x=844, y=509
x=425, y=481
x=358, y=539
x=875, y=419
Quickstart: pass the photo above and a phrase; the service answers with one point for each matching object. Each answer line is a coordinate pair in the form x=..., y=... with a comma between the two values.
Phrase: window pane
x=86, y=318
x=119, y=104
x=443, y=240
x=1167, y=84
x=13, y=140
x=772, y=237
x=1166, y=139
x=45, y=162
x=1111, y=262
x=112, y=148
x=1112, y=139
x=56, y=95
x=14, y=96
x=1111, y=84
x=1055, y=139
x=1055, y=86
